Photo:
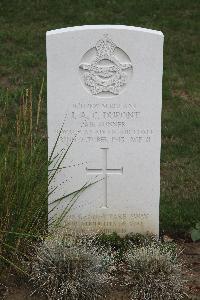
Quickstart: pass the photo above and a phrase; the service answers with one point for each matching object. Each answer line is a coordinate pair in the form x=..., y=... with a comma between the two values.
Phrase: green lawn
x=23, y=64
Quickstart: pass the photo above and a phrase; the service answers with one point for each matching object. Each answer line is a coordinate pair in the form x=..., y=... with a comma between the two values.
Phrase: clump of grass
x=24, y=178
x=67, y=267
x=154, y=272
x=23, y=174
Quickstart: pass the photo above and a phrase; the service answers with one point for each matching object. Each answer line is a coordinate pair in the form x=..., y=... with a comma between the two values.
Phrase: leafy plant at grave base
x=195, y=233
x=66, y=267
x=119, y=245
x=154, y=272
x=111, y=241
x=24, y=177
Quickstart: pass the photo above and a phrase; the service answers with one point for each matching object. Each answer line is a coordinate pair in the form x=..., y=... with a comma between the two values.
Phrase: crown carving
x=105, y=47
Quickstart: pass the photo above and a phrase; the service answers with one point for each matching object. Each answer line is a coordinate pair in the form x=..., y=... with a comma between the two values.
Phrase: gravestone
x=105, y=92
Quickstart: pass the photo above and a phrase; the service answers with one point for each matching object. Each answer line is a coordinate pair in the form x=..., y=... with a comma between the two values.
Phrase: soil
x=12, y=290
x=191, y=255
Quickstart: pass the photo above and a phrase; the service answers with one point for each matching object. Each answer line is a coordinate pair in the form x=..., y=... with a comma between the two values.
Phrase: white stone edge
x=91, y=27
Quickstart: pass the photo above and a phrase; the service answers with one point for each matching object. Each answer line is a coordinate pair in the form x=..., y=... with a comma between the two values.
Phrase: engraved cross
x=105, y=171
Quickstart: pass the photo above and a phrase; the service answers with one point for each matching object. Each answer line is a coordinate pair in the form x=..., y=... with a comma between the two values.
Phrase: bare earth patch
x=192, y=274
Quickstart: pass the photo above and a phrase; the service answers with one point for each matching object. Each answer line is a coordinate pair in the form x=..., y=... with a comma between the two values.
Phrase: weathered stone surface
x=105, y=84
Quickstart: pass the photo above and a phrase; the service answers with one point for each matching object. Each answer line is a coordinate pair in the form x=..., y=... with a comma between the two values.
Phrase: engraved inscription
x=105, y=171
x=110, y=123
x=108, y=223
x=105, y=69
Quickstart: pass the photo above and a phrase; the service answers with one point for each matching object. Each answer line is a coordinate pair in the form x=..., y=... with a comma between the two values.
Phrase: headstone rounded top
x=98, y=27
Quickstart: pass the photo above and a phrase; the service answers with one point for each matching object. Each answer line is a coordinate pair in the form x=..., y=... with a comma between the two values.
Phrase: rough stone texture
x=105, y=84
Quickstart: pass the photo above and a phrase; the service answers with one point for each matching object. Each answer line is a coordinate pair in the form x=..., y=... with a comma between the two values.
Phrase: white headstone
x=105, y=87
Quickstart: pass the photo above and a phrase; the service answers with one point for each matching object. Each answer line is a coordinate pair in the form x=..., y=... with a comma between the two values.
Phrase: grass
x=24, y=178
x=23, y=64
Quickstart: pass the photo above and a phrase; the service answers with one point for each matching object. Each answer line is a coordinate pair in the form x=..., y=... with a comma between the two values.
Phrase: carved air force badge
x=105, y=69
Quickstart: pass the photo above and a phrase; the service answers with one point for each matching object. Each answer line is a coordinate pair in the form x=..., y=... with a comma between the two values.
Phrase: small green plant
x=70, y=268
x=119, y=245
x=113, y=243
x=153, y=272
x=195, y=233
